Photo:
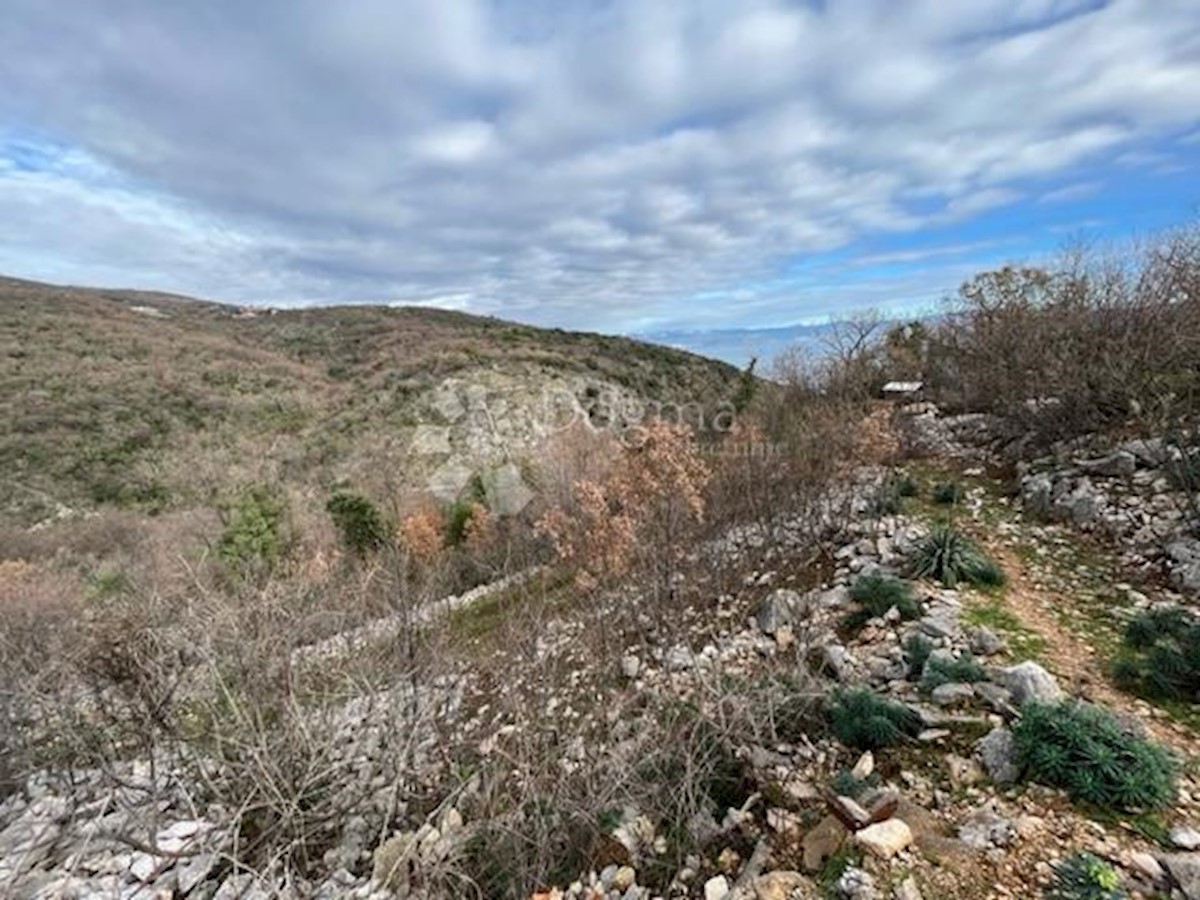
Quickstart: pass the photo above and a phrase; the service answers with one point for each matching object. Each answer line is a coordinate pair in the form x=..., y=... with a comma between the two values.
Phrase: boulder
x=1187, y=577
x=942, y=622
x=1030, y=683
x=1037, y=495
x=834, y=598
x=952, y=694
x=26, y=842
x=1183, y=551
x=1184, y=869
x=836, y=659
x=1083, y=505
x=781, y=885
x=197, y=869
x=885, y=839
x=853, y=816
x=998, y=753
x=624, y=878
x=1184, y=564
x=864, y=767
x=630, y=666
x=985, y=829
x=985, y=642
x=716, y=888
x=242, y=887
x=506, y=490
x=963, y=772
x=1185, y=837
x=821, y=842
x=679, y=658
x=778, y=609
x=1120, y=464
x=1146, y=865
x=1150, y=453
x=997, y=697
x=855, y=884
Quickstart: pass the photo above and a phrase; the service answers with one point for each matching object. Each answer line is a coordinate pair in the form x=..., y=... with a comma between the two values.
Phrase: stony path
x=1077, y=661
x=1069, y=592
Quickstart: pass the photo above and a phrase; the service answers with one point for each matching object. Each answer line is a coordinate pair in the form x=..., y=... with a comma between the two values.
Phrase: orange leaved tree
x=639, y=514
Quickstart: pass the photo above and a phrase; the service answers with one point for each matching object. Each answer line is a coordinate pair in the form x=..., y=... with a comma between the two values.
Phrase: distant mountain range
x=739, y=345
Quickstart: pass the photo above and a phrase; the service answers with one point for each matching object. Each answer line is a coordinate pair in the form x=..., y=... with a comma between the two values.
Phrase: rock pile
x=1127, y=495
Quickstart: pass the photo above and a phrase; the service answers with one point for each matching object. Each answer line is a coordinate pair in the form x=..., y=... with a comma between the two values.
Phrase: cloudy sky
x=645, y=166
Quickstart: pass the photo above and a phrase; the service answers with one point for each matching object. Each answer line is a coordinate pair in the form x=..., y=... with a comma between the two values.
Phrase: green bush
x=747, y=387
x=860, y=719
x=458, y=521
x=107, y=583
x=1085, y=750
x=875, y=594
x=845, y=784
x=1083, y=876
x=464, y=509
x=1162, y=655
x=949, y=493
x=939, y=670
x=254, y=538
x=917, y=648
x=951, y=557
x=889, y=496
x=363, y=529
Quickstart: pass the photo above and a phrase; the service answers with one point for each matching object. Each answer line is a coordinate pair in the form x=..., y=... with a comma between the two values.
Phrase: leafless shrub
x=1093, y=343
x=650, y=797
x=198, y=673
x=786, y=456
x=853, y=366
x=39, y=608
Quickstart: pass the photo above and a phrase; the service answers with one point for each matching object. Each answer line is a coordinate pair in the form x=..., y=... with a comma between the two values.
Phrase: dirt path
x=1072, y=657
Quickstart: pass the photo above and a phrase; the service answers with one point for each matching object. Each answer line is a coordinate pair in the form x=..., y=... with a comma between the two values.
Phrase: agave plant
x=949, y=556
x=917, y=649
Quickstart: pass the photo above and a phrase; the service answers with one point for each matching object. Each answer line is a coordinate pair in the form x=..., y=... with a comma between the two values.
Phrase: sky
x=672, y=168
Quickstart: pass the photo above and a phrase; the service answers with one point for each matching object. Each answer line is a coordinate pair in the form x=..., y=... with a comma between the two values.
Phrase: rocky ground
x=1088, y=541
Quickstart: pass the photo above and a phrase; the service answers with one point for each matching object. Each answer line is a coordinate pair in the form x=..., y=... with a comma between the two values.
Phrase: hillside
x=155, y=401
x=281, y=631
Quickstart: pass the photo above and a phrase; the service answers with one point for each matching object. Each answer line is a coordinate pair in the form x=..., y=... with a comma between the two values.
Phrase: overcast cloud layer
x=624, y=165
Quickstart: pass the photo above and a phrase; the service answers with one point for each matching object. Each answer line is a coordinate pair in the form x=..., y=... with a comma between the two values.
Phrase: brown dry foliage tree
x=638, y=514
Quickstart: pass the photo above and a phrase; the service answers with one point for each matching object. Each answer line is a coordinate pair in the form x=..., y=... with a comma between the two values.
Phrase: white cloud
x=457, y=144
x=570, y=163
x=907, y=257
x=1069, y=192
